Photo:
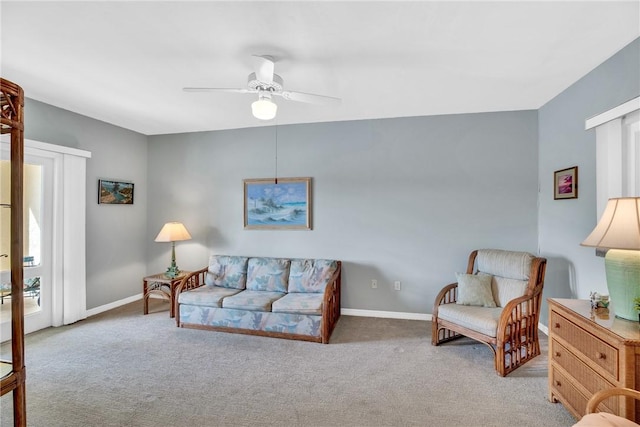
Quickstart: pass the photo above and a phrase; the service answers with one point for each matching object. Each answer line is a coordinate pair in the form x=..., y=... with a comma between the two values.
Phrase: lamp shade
x=619, y=227
x=173, y=232
x=264, y=109
x=619, y=231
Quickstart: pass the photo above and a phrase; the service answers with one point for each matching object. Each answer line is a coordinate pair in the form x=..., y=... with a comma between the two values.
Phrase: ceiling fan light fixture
x=264, y=109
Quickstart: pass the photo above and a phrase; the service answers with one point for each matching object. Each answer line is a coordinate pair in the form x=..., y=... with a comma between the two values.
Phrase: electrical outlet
x=374, y=284
x=396, y=285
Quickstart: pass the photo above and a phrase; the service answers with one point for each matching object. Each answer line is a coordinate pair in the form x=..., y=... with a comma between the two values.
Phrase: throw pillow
x=474, y=290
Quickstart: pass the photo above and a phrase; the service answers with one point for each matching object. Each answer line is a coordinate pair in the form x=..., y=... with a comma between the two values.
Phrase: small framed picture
x=115, y=192
x=565, y=183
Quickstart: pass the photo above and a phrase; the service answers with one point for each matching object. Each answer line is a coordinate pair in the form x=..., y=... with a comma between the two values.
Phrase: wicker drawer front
x=571, y=396
x=582, y=374
x=592, y=347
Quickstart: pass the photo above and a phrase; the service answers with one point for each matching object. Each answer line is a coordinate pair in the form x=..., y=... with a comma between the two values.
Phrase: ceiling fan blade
x=308, y=98
x=264, y=67
x=218, y=89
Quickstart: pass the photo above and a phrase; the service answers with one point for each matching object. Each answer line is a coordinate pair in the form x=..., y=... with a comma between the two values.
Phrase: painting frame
x=288, y=208
x=115, y=192
x=565, y=183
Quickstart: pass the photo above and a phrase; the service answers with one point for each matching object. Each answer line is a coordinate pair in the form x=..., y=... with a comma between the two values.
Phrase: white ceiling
x=126, y=62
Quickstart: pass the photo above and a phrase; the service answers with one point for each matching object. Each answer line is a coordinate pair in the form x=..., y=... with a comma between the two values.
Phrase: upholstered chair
x=496, y=302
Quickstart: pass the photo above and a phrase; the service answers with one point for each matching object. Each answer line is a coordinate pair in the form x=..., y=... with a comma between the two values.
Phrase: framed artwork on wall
x=565, y=183
x=115, y=192
x=282, y=204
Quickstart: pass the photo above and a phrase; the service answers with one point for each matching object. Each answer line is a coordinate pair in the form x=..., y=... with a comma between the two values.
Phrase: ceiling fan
x=266, y=83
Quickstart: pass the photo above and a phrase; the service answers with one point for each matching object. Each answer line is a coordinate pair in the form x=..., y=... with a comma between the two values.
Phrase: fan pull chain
x=276, y=177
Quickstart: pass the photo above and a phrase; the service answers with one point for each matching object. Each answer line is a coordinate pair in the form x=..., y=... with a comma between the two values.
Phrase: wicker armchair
x=593, y=418
x=510, y=326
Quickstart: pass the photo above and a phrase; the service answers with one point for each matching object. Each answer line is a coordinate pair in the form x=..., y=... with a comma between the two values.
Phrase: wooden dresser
x=590, y=350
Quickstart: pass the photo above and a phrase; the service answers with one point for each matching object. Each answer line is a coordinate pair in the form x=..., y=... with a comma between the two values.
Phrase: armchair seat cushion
x=252, y=300
x=604, y=420
x=480, y=319
x=298, y=303
x=209, y=296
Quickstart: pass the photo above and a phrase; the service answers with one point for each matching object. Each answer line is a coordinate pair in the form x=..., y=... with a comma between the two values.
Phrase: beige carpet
x=121, y=368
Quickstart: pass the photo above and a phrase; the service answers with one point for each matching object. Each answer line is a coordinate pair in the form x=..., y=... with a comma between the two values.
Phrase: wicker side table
x=161, y=285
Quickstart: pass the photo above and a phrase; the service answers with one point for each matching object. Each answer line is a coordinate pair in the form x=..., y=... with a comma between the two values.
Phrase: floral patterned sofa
x=285, y=298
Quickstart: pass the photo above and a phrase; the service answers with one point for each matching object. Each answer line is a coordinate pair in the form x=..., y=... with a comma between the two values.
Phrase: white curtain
x=74, y=289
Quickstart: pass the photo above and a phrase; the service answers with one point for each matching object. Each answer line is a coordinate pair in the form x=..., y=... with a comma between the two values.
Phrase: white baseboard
x=115, y=304
x=346, y=311
x=543, y=329
x=385, y=314
x=405, y=316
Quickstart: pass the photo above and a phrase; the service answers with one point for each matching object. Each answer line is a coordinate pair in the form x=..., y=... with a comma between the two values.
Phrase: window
x=617, y=152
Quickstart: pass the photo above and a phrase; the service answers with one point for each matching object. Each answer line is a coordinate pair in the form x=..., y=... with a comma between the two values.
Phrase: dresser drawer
x=581, y=373
x=594, y=349
x=575, y=401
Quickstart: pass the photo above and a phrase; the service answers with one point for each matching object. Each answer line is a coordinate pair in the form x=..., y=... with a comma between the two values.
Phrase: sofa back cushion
x=311, y=275
x=510, y=271
x=227, y=271
x=268, y=274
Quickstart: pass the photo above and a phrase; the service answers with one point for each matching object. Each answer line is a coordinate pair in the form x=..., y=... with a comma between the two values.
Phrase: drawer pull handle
x=557, y=326
x=601, y=356
x=557, y=354
x=558, y=383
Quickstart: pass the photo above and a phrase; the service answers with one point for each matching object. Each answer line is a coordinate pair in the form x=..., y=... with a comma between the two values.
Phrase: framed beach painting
x=283, y=204
x=565, y=183
x=115, y=192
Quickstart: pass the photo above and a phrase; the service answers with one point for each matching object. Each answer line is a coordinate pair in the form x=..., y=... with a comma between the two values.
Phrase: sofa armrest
x=193, y=280
x=331, y=304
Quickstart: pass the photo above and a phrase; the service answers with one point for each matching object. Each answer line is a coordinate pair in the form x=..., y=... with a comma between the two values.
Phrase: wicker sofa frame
x=330, y=309
x=516, y=341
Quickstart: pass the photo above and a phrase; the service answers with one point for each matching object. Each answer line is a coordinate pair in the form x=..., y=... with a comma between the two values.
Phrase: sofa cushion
x=299, y=303
x=508, y=264
x=268, y=274
x=311, y=275
x=227, y=271
x=210, y=296
x=252, y=300
x=479, y=319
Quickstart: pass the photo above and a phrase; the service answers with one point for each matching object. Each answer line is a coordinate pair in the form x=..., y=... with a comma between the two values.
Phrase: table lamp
x=619, y=231
x=173, y=232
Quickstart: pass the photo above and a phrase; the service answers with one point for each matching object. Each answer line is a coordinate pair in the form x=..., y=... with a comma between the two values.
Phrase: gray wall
x=116, y=234
x=573, y=271
x=397, y=199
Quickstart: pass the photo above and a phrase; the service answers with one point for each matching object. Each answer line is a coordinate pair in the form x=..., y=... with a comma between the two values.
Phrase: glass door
x=38, y=243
